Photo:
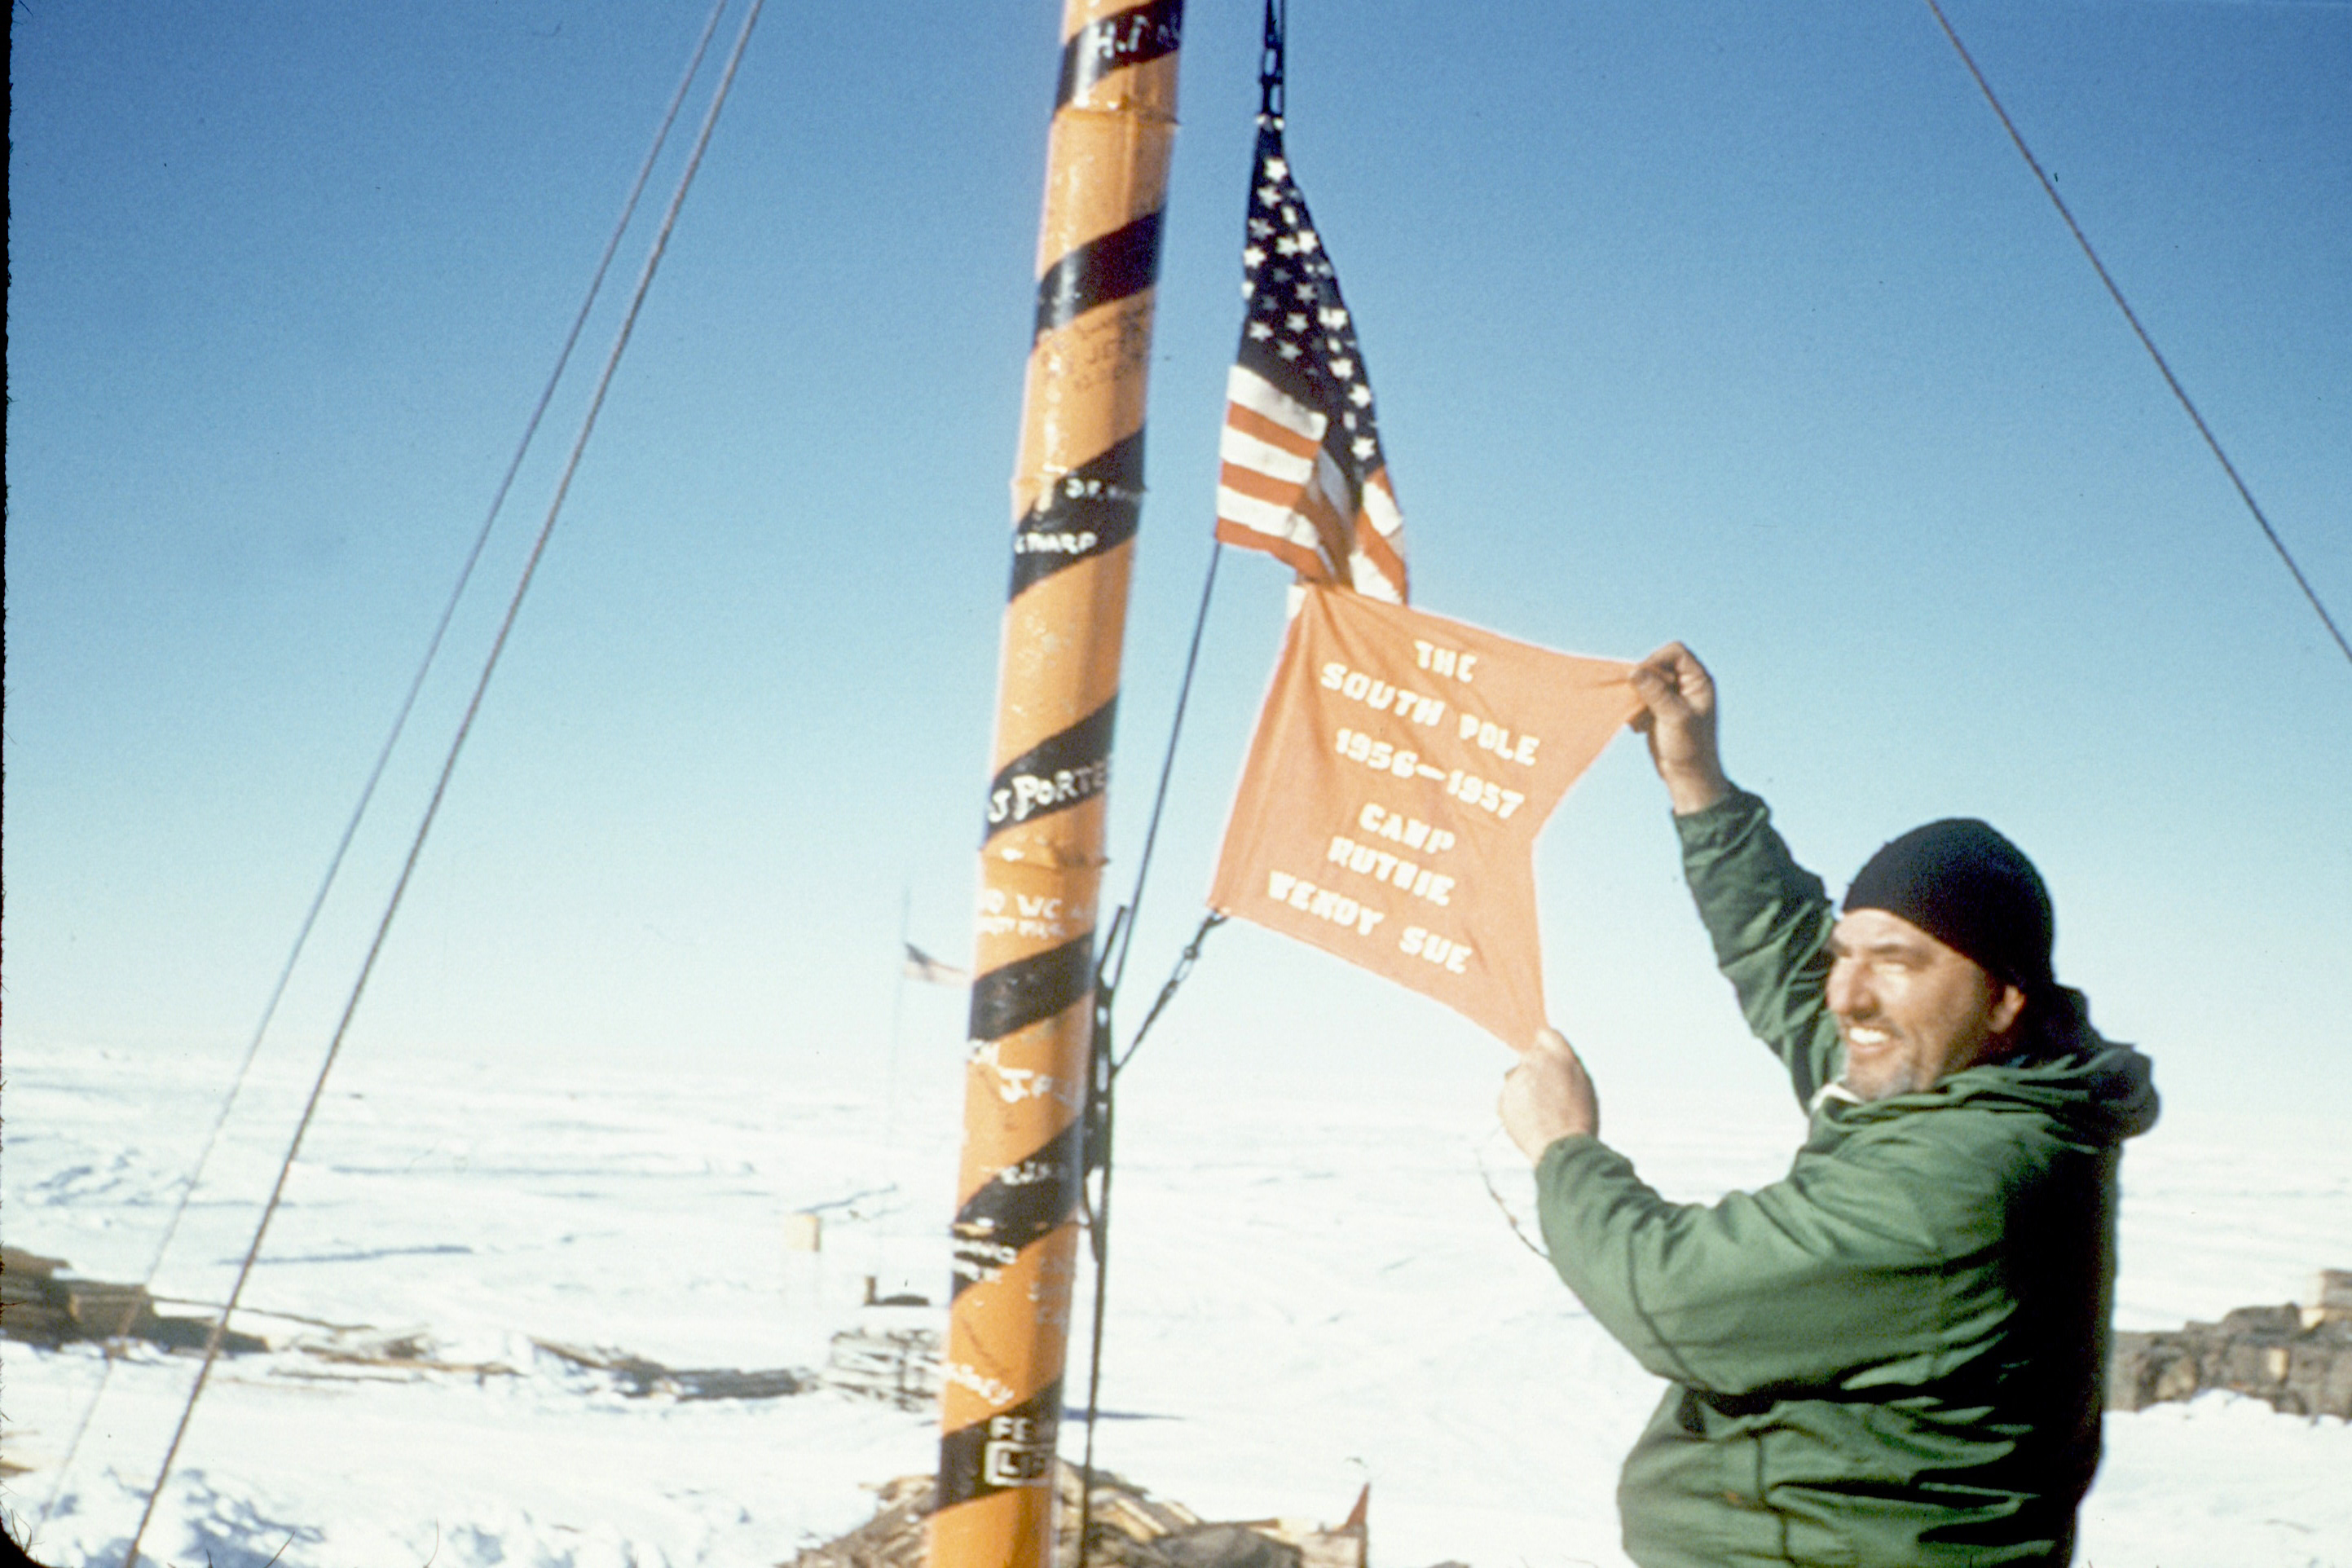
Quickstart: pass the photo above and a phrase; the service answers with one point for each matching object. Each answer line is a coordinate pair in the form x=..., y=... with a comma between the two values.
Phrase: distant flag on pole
x=923, y=966
x=1301, y=473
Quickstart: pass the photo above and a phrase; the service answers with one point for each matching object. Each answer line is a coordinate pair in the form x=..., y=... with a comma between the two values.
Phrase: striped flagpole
x=1076, y=494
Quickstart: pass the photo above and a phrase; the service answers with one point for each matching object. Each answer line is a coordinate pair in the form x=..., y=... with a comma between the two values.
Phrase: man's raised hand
x=1547, y=1096
x=1677, y=717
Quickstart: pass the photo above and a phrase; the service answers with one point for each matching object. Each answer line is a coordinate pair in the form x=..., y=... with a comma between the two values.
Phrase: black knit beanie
x=1969, y=888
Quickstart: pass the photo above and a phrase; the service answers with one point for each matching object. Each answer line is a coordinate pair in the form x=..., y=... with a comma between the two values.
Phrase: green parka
x=1895, y=1354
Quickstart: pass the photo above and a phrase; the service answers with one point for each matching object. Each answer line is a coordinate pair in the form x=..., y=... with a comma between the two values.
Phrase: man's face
x=1911, y=1011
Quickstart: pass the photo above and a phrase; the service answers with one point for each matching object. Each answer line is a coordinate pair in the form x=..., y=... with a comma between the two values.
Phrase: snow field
x=1308, y=1292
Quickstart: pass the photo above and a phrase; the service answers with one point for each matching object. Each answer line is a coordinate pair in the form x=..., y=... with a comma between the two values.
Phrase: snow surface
x=1313, y=1288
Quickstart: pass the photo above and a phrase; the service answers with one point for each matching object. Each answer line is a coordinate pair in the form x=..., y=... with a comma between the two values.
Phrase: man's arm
x=1768, y=918
x=1879, y=1267
x=1770, y=921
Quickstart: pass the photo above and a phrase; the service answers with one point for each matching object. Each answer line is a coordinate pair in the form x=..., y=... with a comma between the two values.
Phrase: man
x=1895, y=1354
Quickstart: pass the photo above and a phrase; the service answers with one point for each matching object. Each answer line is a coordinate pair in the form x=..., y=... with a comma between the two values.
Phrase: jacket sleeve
x=1876, y=1265
x=1770, y=920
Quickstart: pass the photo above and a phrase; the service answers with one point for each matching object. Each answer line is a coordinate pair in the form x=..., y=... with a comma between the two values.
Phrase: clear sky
x=1743, y=325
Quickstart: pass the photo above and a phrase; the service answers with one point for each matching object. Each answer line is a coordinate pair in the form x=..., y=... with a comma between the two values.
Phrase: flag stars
x=1307, y=342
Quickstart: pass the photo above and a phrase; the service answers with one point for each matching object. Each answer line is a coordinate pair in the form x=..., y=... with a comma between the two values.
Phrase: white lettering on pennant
x=1369, y=861
x=1410, y=832
x=1380, y=695
x=1490, y=736
x=1452, y=956
x=1439, y=659
x=1323, y=903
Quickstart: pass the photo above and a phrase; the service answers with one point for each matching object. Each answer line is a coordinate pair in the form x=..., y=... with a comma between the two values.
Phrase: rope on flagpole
x=2140, y=331
x=1270, y=58
x=448, y=766
x=1104, y=1066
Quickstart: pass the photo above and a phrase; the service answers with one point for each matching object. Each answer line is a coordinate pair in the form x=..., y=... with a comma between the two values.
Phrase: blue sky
x=1741, y=325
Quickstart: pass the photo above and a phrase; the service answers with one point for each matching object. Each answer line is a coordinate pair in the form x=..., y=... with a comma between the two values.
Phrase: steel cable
x=449, y=763
x=2140, y=331
x=392, y=739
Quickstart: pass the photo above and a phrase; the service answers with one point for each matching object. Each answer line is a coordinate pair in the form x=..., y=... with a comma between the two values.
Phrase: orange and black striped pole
x=1076, y=494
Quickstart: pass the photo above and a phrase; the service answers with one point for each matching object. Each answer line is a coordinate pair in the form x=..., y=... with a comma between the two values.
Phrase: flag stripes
x=920, y=966
x=1301, y=475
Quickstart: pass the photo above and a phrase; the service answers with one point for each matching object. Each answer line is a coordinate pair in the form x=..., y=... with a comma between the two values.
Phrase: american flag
x=923, y=966
x=1302, y=475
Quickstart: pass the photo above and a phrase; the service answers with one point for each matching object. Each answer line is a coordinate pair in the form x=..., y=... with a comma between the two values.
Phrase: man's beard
x=1884, y=1082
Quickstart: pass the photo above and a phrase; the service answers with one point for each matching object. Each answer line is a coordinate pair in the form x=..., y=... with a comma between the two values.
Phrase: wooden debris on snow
x=2298, y=1359
x=893, y=1537
x=899, y=1366
x=41, y=1305
x=639, y=1378
x=1319, y=1547
x=2331, y=1298
x=1129, y=1529
x=402, y=1351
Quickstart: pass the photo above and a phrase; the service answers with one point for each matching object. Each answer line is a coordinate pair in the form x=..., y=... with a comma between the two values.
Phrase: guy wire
x=457, y=746
x=2145, y=341
x=399, y=724
x=1103, y=1069
x=1167, y=762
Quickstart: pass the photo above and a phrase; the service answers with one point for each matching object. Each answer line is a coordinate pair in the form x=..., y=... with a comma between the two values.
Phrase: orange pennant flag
x=1388, y=813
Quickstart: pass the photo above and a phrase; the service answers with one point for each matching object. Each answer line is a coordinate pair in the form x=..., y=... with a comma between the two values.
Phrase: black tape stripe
x=1114, y=42
x=999, y=1452
x=1109, y=267
x=1031, y=989
x=1059, y=772
x=1086, y=512
x=1015, y=1208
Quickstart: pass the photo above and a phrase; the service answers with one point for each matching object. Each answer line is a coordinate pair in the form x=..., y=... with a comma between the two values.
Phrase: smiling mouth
x=1865, y=1037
